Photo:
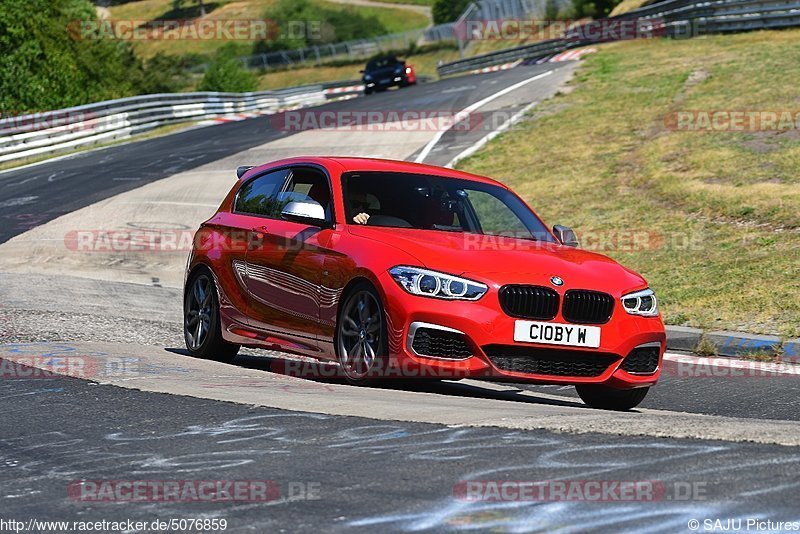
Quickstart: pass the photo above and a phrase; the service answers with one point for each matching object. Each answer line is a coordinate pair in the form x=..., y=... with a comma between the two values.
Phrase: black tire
x=361, y=339
x=367, y=92
x=606, y=398
x=201, y=320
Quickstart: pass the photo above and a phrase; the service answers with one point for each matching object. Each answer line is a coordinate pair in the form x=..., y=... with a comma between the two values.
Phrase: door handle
x=257, y=237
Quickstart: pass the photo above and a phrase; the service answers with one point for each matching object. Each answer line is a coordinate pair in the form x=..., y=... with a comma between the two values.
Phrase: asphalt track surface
x=375, y=467
x=337, y=474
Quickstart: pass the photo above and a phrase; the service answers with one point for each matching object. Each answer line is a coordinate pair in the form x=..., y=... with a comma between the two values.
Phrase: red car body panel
x=411, y=76
x=314, y=266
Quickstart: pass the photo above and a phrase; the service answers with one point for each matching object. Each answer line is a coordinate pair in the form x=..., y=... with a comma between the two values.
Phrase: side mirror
x=241, y=169
x=306, y=212
x=565, y=235
x=361, y=71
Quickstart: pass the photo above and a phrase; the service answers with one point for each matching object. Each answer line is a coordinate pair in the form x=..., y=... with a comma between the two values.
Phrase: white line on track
x=472, y=107
x=491, y=135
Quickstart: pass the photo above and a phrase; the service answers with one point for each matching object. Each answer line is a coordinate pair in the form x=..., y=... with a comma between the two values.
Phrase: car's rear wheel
x=361, y=336
x=201, y=324
x=606, y=398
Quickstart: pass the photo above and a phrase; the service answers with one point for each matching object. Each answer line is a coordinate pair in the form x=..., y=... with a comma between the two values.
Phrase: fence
x=67, y=129
x=351, y=50
x=673, y=18
x=364, y=48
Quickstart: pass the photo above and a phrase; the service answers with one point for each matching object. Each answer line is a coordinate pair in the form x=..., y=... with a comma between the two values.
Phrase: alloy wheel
x=198, y=309
x=360, y=334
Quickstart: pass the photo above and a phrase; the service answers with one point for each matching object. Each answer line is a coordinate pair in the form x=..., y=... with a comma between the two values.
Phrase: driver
x=360, y=200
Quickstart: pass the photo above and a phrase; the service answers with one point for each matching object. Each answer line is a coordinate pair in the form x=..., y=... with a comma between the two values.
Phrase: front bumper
x=392, y=81
x=485, y=325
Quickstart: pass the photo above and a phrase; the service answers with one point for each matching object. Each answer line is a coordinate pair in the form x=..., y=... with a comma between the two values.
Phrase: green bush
x=448, y=10
x=321, y=25
x=594, y=8
x=227, y=74
x=165, y=73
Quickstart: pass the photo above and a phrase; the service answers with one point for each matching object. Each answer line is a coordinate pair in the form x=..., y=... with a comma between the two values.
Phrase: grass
x=424, y=65
x=409, y=2
x=394, y=20
x=628, y=5
x=721, y=210
x=772, y=354
x=706, y=348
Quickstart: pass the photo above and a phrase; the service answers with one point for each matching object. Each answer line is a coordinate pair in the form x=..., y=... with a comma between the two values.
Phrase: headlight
x=435, y=284
x=641, y=303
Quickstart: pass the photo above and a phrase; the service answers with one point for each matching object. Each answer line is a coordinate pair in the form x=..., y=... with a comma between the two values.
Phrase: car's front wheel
x=361, y=336
x=201, y=325
x=606, y=398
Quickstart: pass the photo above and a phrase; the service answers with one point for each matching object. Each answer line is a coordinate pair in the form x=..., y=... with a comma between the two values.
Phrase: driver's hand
x=361, y=218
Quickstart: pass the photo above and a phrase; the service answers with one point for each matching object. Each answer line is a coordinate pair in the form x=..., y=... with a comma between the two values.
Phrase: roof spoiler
x=240, y=170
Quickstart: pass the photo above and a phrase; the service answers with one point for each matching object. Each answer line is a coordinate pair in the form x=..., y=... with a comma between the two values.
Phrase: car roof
x=359, y=164
x=382, y=58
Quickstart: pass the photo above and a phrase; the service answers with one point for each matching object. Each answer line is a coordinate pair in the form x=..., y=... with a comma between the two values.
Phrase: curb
x=729, y=344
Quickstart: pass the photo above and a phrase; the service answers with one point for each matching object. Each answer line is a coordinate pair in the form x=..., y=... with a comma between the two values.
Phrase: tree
x=178, y=4
x=226, y=73
x=50, y=58
x=448, y=10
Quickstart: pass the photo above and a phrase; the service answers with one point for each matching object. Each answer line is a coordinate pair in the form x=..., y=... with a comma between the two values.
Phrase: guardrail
x=67, y=129
x=672, y=18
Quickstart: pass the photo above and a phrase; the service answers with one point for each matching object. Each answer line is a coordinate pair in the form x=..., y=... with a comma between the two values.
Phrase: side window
x=309, y=184
x=494, y=215
x=260, y=196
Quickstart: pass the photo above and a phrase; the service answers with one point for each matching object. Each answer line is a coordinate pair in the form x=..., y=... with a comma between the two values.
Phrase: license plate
x=385, y=80
x=557, y=334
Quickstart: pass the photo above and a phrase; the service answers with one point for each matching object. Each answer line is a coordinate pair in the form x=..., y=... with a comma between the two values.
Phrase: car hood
x=499, y=261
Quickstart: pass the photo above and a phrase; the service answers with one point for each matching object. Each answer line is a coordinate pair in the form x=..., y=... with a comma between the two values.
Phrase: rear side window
x=260, y=195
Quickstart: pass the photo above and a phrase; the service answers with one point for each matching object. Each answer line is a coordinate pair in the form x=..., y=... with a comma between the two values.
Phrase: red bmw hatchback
x=401, y=269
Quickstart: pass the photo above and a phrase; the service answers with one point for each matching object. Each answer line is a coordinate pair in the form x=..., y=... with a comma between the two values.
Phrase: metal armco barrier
x=57, y=131
x=672, y=18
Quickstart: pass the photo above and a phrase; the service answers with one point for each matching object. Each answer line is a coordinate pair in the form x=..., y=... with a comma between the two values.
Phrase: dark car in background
x=387, y=71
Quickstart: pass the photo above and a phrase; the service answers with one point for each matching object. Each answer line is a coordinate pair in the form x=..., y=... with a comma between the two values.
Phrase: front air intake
x=440, y=344
x=642, y=360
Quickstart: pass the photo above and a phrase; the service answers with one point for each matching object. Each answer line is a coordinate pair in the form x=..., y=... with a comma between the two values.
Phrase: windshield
x=381, y=63
x=427, y=202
